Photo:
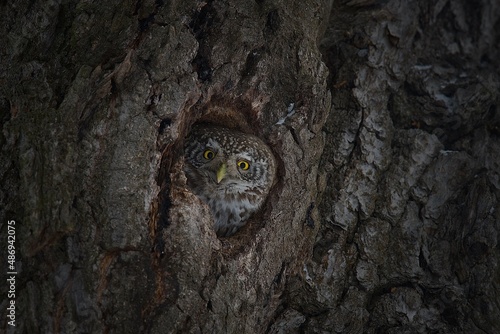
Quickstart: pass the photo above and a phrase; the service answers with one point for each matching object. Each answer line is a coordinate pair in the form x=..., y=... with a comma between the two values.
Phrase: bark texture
x=383, y=116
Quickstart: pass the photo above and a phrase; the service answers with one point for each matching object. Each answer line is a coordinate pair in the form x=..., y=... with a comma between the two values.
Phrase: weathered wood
x=383, y=116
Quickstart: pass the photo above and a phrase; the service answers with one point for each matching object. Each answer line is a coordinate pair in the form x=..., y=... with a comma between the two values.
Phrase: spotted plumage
x=229, y=170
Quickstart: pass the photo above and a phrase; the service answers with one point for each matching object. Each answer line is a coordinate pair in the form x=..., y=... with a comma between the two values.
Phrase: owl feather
x=229, y=170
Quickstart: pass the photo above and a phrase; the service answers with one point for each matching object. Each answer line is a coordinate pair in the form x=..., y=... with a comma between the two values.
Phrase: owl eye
x=244, y=165
x=209, y=154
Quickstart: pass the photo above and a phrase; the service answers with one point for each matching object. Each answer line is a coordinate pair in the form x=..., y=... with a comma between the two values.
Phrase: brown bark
x=382, y=115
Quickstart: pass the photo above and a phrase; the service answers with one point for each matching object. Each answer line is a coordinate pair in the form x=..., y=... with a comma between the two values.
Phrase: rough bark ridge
x=383, y=116
x=411, y=164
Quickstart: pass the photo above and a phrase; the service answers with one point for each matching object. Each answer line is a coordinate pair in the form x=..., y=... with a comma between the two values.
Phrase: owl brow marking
x=246, y=157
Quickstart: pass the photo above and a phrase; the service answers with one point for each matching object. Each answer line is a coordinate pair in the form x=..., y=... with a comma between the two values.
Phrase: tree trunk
x=383, y=118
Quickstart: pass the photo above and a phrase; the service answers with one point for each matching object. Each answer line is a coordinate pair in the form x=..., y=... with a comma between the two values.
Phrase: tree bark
x=383, y=117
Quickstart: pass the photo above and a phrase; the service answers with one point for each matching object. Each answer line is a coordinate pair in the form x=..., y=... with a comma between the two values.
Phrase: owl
x=229, y=170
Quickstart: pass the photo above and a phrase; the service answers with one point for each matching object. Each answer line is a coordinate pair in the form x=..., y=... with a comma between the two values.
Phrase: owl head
x=229, y=170
x=230, y=160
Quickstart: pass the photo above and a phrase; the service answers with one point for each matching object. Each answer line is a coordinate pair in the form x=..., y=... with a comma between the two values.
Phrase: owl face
x=231, y=171
x=228, y=161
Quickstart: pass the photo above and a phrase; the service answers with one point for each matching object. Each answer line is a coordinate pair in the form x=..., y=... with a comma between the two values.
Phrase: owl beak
x=221, y=172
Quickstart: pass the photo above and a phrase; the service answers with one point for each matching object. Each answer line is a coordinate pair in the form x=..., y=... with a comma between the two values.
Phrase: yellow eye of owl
x=243, y=164
x=208, y=154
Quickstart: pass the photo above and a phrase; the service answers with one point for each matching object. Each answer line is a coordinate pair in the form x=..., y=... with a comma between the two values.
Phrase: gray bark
x=383, y=116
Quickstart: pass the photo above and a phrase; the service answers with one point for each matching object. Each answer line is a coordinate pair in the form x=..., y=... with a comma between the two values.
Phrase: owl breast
x=230, y=171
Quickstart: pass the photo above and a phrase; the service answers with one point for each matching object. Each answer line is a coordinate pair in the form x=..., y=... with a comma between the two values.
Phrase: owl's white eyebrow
x=213, y=144
x=245, y=156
